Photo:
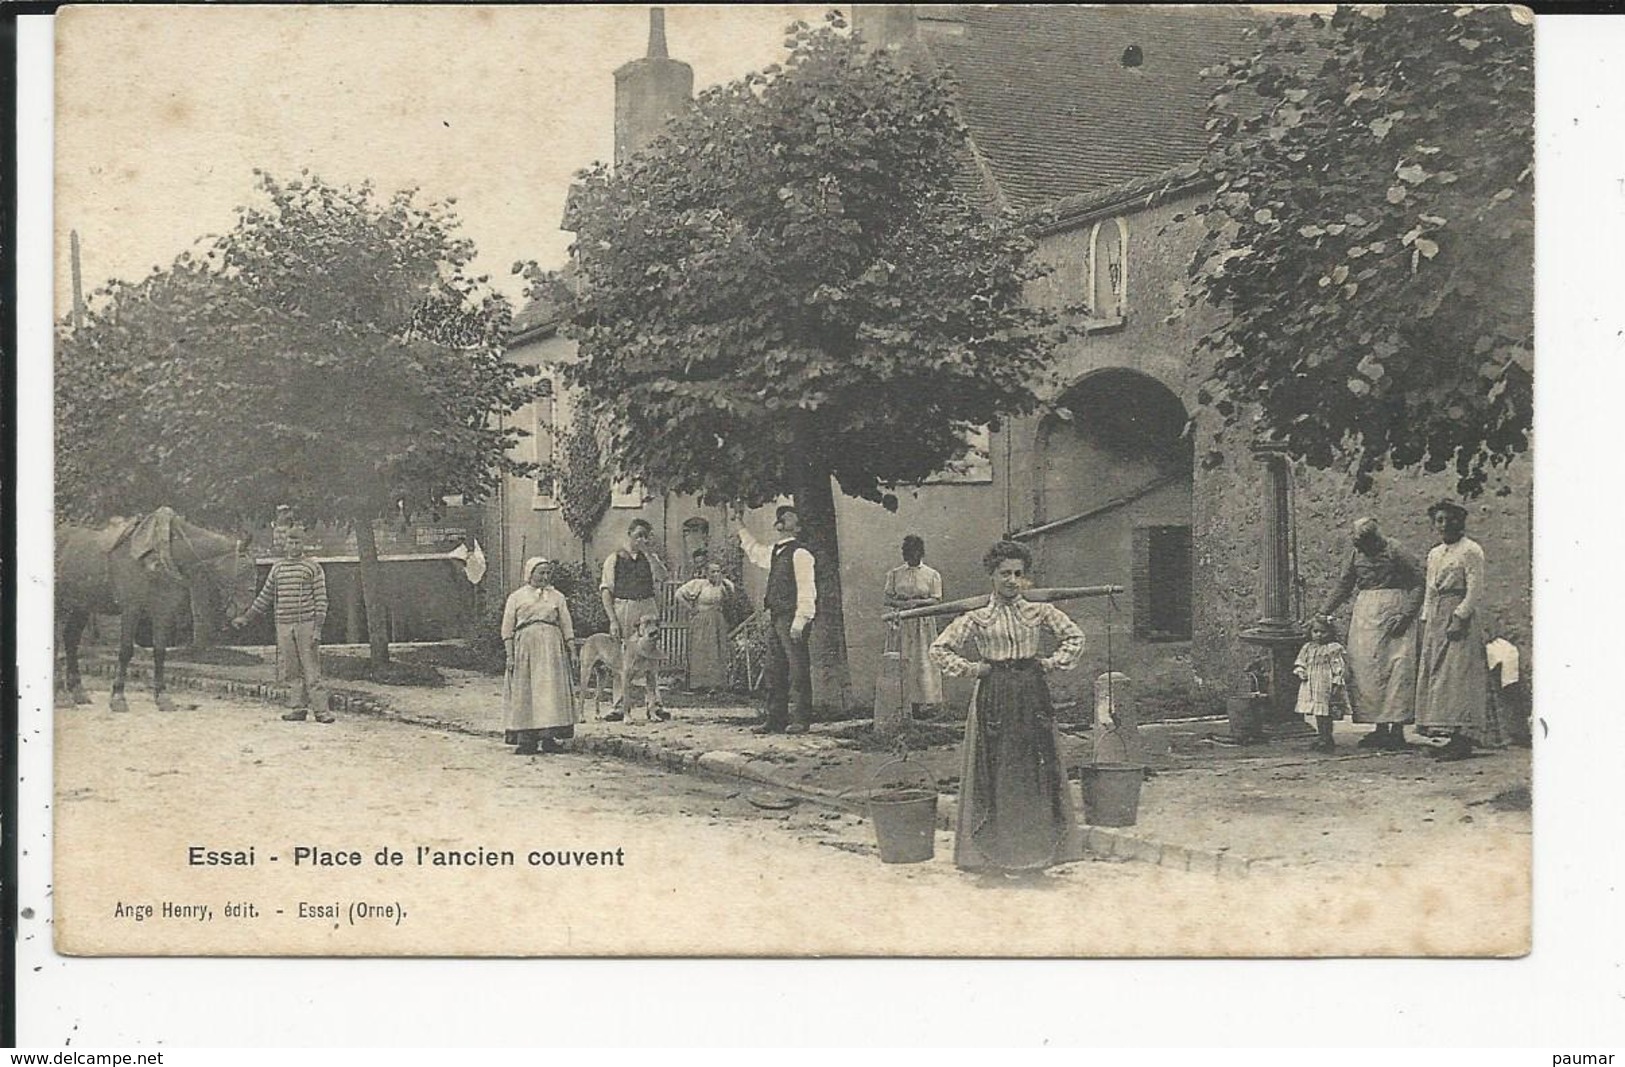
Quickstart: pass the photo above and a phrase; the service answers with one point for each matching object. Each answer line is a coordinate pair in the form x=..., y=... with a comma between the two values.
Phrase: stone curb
x=721, y=765
x=350, y=700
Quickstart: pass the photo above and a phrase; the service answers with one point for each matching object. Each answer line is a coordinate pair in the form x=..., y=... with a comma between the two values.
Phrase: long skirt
x=1015, y=811
x=1452, y=677
x=922, y=679
x=707, y=650
x=1382, y=669
x=538, y=700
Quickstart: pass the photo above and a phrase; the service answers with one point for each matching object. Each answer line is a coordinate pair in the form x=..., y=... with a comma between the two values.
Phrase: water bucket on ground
x=1111, y=793
x=905, y=818
x=1246, y=714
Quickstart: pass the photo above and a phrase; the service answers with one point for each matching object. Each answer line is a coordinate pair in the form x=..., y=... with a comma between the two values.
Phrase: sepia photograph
x=917, y=480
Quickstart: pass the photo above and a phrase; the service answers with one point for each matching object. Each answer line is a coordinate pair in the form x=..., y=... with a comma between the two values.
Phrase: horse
x=142, y=571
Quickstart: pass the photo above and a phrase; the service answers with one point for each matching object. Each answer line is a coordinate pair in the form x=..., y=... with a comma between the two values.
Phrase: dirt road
x=373, y=837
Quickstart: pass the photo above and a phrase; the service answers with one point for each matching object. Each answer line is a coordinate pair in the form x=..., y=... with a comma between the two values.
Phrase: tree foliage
x=789, y=283
x=789, y=288
x=1370, y=239
x=583, y=480
x=330, y=351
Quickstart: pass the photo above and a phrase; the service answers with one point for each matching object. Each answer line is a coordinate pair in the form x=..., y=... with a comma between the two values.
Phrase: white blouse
x=1006, y=630
x=1457, y=568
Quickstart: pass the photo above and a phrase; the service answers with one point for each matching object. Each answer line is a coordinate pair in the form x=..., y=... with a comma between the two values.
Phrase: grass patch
x=217, y=656
x=914, y=735
x=676, y=698
x=456, y=657
x=395, y=672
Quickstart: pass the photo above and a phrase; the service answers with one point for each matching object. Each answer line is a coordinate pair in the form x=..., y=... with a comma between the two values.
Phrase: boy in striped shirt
x=299, y=588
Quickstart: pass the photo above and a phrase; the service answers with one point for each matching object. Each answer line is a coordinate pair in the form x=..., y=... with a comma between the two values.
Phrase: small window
x=543, y=437
x=1108, y=269
x=1162, y=583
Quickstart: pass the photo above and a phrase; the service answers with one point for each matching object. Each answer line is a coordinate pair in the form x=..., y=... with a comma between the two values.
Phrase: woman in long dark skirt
x=1015, y=812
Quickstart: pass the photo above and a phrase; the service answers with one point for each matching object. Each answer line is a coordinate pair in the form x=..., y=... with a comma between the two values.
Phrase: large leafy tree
x=788, y=293
x=1370, y=239
x=332, y=350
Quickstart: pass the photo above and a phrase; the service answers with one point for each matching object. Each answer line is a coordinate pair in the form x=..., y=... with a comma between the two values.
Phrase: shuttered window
x=1162, y=579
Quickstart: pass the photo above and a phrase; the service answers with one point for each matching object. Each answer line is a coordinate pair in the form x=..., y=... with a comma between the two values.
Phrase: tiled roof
x=535, y=317
x=1052, y=107
x=1142, y=193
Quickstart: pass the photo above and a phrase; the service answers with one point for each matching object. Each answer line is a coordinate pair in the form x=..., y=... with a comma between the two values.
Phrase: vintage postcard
x=917, y=480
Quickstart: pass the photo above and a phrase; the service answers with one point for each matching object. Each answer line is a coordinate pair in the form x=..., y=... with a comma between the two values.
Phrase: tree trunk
x=372, y=589
x=832, y=680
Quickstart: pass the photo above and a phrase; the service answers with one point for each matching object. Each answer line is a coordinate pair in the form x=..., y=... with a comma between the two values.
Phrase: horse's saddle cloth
x=147, y=540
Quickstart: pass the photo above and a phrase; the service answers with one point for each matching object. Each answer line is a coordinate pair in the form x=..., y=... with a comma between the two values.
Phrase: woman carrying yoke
x=1015, y=811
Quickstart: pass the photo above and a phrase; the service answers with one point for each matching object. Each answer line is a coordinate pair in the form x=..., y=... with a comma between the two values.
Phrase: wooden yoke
x=971, y=603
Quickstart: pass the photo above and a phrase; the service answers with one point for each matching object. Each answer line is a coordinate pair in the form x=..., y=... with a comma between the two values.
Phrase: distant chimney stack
x=884, y=25
x=657, y=33
x=648, y=92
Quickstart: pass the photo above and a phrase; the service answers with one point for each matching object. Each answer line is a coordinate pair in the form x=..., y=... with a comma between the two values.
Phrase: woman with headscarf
x=1452, y=676
x=1386, y=583
x=538, y=703
x=1015, y=811
x=914, y=585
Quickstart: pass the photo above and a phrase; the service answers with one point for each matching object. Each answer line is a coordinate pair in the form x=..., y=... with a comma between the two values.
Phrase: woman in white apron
x=538, y=702
x=1386, y=583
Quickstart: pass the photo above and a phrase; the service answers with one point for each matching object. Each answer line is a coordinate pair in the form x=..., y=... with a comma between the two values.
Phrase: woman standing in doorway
x=538, y=704
x=915, y=585
x=1015, y=812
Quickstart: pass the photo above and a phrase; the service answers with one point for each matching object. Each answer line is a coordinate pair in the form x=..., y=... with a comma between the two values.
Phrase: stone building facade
x=1089, y=120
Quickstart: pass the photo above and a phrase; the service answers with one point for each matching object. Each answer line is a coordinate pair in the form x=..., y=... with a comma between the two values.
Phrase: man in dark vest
x=627, y=588
x=791, y=603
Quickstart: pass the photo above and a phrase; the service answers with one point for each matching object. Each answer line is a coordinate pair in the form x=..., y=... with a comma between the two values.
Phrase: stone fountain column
x=1278, y=628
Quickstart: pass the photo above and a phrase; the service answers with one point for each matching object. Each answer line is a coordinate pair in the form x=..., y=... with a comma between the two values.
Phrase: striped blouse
x=1006, y=630
x=300, y=589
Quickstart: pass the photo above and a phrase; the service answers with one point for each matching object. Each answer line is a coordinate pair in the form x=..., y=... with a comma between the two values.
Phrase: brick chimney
x=884, y=25
x=649, y=91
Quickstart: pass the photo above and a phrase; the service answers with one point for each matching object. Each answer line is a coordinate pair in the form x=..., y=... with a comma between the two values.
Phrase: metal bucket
x=905, y=825
x=1111, y=793
x=905, y=820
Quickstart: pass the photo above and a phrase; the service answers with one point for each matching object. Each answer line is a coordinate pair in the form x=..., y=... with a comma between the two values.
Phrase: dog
x=601, y=655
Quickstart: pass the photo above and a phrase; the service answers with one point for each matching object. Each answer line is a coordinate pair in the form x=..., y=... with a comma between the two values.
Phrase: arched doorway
x=1112, y=500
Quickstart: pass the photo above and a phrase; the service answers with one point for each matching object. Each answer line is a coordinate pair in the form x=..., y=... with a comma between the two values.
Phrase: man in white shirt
x=628, y=588
x=791, y=603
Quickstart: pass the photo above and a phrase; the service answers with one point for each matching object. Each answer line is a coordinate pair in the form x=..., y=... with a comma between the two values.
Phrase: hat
x=531, y=564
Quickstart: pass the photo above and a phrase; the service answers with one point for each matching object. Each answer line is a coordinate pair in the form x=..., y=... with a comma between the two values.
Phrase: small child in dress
x=1322, y=671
